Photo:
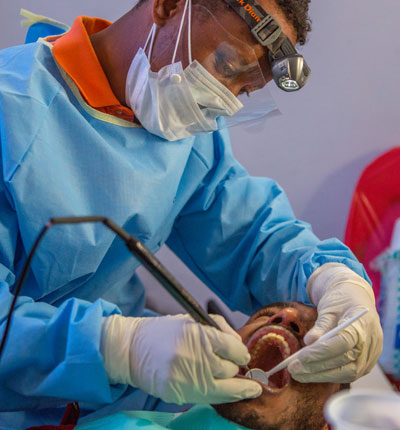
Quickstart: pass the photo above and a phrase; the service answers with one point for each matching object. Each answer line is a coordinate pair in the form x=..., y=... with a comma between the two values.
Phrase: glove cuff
x=116, y=339
x=330, y=275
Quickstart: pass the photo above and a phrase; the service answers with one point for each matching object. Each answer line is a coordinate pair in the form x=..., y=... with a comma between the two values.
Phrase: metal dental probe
x=167, y=280
x=262, y=375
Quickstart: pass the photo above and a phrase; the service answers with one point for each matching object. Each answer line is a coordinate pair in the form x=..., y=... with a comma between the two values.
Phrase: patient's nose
x=288, y=318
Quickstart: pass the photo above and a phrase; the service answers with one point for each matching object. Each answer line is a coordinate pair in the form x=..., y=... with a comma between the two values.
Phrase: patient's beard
x=248, y=418
x=309, y=413
x=306, y=414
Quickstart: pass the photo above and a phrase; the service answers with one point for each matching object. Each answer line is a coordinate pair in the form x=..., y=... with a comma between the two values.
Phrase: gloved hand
x=339, y=294
x=177, y=359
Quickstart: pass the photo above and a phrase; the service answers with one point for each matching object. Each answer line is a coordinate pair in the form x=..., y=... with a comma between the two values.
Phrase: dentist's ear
x=164, y=10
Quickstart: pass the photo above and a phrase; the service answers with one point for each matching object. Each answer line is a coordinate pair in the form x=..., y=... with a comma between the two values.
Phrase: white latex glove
x=177, y=359
x=339, y=294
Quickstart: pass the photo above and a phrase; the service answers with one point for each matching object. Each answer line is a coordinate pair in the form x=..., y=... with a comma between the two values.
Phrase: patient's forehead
x=306, y=313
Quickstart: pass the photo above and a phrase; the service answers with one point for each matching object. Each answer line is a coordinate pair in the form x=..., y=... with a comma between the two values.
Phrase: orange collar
x=75, y=53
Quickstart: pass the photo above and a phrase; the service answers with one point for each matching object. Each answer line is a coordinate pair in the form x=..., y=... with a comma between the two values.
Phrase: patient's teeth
x=271, y=336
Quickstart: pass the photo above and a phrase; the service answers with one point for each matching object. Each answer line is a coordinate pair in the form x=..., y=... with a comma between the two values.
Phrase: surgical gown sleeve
x=239, y=235
x=51, y=353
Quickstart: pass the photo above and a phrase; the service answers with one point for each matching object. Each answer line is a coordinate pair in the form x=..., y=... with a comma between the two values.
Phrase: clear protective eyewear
x=235, y=63
x=232, y=61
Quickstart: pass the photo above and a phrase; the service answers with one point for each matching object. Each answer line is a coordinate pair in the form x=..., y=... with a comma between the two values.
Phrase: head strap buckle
x=267, y=31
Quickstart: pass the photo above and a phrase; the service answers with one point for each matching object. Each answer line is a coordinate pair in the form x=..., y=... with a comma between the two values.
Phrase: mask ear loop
x=180, y=30
x=190, y=33
x=150, y=38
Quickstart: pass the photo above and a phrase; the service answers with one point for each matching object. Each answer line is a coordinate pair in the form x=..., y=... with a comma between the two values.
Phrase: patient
x=271, y=335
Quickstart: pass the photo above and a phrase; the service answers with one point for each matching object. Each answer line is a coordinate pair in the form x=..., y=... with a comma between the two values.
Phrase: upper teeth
x=273, y=336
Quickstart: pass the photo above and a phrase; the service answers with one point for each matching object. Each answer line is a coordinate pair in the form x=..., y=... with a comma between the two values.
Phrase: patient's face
x=271, y=335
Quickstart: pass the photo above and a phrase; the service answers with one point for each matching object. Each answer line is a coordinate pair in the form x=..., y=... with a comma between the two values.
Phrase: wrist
x=331, y=275
x=116, y=340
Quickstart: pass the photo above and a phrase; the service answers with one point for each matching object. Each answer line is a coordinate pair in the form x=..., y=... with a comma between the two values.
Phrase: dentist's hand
x=177, y=359
x=339, y=294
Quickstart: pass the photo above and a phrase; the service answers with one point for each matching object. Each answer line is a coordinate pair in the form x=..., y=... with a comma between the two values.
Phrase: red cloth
x=374, y=210
x=373, y=213
x=68, y=422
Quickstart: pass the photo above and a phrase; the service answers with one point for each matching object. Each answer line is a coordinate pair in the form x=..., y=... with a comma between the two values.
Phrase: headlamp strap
x=263, y=26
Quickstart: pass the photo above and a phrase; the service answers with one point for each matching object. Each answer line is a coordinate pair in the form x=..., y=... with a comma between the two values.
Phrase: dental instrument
x=263, y=376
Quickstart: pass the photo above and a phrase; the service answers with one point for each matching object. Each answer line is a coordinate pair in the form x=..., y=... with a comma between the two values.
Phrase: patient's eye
x=265, y=313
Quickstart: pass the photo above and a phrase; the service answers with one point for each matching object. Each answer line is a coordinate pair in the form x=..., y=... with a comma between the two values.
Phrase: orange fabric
x=75, y=54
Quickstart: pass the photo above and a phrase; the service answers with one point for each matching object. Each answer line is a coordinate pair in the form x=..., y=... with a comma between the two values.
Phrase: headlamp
x=289, y=69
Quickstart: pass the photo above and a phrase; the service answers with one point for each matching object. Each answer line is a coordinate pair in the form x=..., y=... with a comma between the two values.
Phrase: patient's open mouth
x=268, y=346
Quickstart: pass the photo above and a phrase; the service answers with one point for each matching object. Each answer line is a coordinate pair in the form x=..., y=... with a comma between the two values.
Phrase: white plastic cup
x=363, y=410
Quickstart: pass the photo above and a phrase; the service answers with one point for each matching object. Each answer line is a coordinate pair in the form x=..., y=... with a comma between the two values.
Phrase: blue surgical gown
x=60, y=157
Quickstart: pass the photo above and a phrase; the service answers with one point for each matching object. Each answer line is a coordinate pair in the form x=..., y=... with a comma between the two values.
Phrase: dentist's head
x=185, y=62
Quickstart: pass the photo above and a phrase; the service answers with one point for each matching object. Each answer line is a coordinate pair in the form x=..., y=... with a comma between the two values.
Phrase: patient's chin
x=260, y=413
x=242, y=413
x=304, y=414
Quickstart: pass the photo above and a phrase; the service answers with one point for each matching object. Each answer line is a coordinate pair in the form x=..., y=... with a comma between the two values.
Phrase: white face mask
x=174, y=103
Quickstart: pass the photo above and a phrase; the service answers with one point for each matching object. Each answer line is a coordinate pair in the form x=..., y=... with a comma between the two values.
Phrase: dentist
x=127, y=120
